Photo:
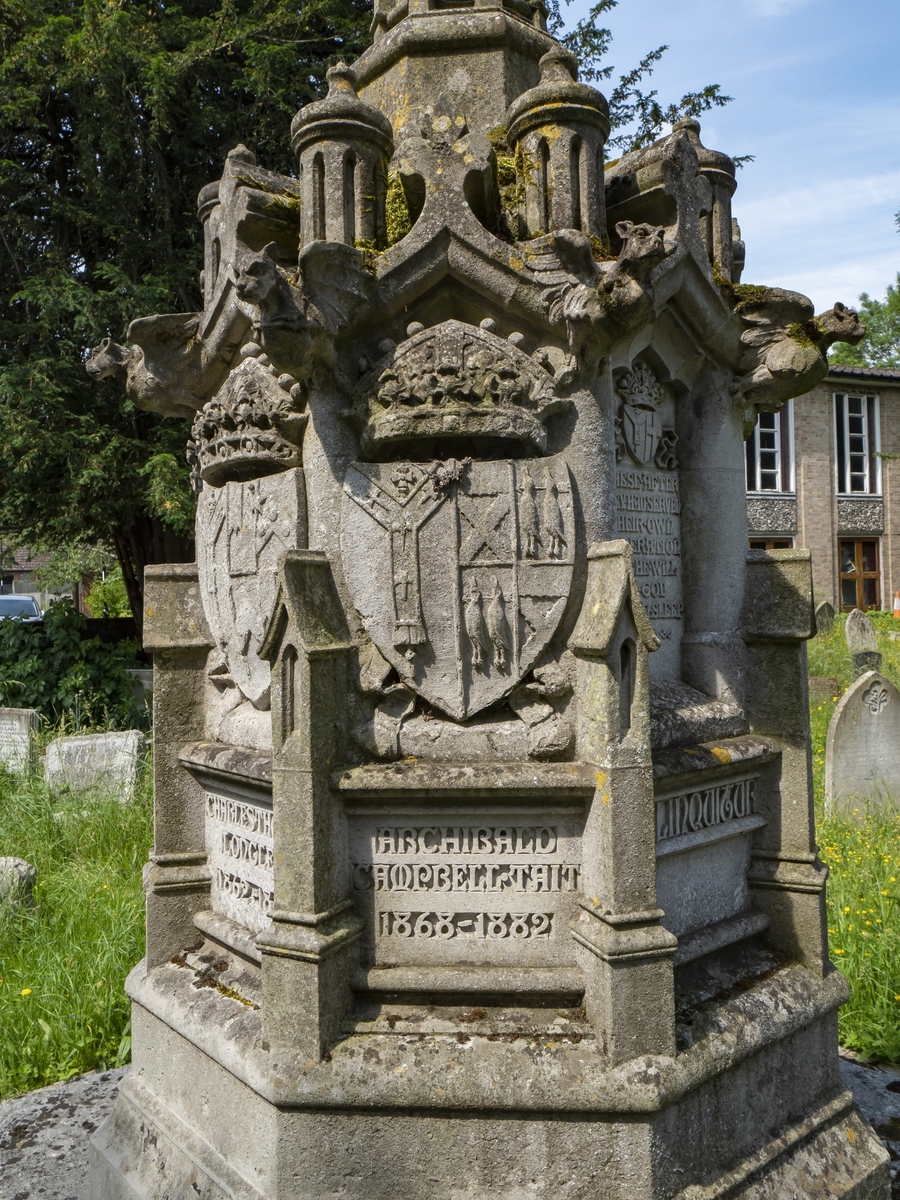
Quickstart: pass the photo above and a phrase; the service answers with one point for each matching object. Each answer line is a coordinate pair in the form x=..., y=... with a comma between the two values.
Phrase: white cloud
x=832, y=199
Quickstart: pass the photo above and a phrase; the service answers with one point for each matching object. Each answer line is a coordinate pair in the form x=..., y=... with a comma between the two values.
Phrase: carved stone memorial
x=17, y=729
x=862, y=751
x=484, y=859
x=862, y=642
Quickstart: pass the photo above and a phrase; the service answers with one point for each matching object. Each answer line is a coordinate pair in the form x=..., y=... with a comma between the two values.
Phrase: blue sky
x=816, y=87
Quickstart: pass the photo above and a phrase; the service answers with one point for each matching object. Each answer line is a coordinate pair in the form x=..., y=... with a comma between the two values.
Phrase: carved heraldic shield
x=460, y=571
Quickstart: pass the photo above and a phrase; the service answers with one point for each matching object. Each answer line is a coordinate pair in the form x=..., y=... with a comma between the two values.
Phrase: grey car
x=22, y=608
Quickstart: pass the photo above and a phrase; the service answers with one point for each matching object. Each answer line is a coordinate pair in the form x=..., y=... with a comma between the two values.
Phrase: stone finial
x=561, y=127
x=343, y=146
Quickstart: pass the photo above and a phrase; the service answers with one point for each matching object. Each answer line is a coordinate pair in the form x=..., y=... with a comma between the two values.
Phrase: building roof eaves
x=886, y=374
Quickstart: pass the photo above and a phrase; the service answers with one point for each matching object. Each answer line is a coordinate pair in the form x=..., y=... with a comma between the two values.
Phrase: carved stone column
x=625, y=953
x=177, y=879
x=308, y=957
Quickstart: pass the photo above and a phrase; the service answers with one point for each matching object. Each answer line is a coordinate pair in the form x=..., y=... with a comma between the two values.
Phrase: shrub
x=66, y=676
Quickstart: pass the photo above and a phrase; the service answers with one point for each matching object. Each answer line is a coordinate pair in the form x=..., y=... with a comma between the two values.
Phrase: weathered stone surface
x=862, y=754
x=107, y=762
x=17, y=880
x=824, y=617
x=862, y=642
x=17, y=729
x=504, y=777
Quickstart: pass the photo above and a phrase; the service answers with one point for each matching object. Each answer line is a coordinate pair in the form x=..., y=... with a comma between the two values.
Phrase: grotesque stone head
x=841, y=324
x=109, y=360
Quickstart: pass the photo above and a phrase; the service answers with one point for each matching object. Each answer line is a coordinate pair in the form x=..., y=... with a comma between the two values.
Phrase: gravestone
x=862, y=642
x=862, y=752
x=106, y=762
x=17, y=729
x=17, y=880
x=825, y=617
x=434, y=908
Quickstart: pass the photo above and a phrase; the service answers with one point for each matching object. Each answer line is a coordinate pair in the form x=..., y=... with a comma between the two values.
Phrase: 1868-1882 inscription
x=241, y=859
x=463, y=887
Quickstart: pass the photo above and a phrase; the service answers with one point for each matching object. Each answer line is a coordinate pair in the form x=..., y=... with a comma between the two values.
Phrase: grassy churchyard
x=63, y=961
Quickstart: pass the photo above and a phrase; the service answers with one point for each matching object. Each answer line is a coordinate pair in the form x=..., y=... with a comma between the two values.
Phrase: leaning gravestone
x=825, y=617
x=17, y=729
x=862, y=752
x=483, y=862
x=107, y=762
x=862, y=642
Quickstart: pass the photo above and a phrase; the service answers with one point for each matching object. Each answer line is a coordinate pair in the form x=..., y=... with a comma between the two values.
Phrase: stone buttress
x=484, y=859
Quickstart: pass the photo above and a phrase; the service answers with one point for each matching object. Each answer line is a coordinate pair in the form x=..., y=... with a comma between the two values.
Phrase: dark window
x=771, y=543
x=860, y=584
x=856, y=437
x=770, y=453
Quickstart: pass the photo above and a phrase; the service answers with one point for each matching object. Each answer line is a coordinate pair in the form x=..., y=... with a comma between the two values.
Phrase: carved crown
x=252, y=427
x=640, y=388
x=456, y=381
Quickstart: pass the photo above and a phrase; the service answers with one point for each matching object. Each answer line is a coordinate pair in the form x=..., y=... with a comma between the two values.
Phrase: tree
x=114, y=114
x=881, y=346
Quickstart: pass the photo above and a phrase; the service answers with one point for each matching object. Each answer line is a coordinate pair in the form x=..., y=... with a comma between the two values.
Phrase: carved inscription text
x=241, y=856
x=677, y=815
x=467, y=890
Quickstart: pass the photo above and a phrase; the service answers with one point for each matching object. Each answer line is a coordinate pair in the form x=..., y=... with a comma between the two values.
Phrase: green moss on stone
x=396, y=212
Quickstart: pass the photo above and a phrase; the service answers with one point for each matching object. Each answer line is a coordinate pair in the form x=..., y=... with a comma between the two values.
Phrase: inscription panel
x=463, y=887
x=241, y=858
x=649, y=516
x=17, y=729
x=706, y=808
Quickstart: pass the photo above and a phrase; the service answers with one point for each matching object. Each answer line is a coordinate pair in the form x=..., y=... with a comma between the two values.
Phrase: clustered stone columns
x=786, y=876
x=309, y=955
x=343, y=146
x=177, y=878
x=625, y=954
x=559, y=129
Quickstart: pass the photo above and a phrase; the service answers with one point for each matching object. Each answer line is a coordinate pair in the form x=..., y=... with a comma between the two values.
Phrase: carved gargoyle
x=612, y=298
x=159, y=389
x=787, y=347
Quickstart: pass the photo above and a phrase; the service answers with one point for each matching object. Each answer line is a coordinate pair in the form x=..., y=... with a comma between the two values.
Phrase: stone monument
x=17, y=729
x=862, y=751
x=484, y=859
x=824, y=617
x=862, y=642
x=107, y=762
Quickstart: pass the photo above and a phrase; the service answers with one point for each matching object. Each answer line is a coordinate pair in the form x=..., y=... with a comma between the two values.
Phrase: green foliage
x=863, y=896
x=70, y=564
x=108, y=597
x=881, y=345
x=63, y=1008
x=53, y=668
x=636, y=117
x=114, y=115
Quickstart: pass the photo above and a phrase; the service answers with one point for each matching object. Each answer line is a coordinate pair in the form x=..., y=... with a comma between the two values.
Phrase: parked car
x=21, y=608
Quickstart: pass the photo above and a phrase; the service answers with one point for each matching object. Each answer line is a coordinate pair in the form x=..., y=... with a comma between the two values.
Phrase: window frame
x=859, y=576
x=784, y=451
x=871, y=432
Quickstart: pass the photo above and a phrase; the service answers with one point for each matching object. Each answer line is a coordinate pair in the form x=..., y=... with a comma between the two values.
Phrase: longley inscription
x=241, y=853
x=693, y=811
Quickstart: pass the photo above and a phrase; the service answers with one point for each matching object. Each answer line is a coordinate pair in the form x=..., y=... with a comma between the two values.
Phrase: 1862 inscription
x=241, y=858
x=467, y=890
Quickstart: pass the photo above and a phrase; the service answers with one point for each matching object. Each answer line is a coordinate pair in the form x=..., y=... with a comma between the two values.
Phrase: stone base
x=754, y=1108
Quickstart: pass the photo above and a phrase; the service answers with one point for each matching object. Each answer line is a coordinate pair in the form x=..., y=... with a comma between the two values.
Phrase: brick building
x=824, y=475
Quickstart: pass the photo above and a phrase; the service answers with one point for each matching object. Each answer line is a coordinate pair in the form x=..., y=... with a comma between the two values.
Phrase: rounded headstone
x=17, y=880
x=862, y=752
x=824, y=617
x=862, y=642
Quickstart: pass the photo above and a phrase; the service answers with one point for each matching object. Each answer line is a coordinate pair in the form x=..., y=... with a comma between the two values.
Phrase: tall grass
x=63, y=961
x=863, y=897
